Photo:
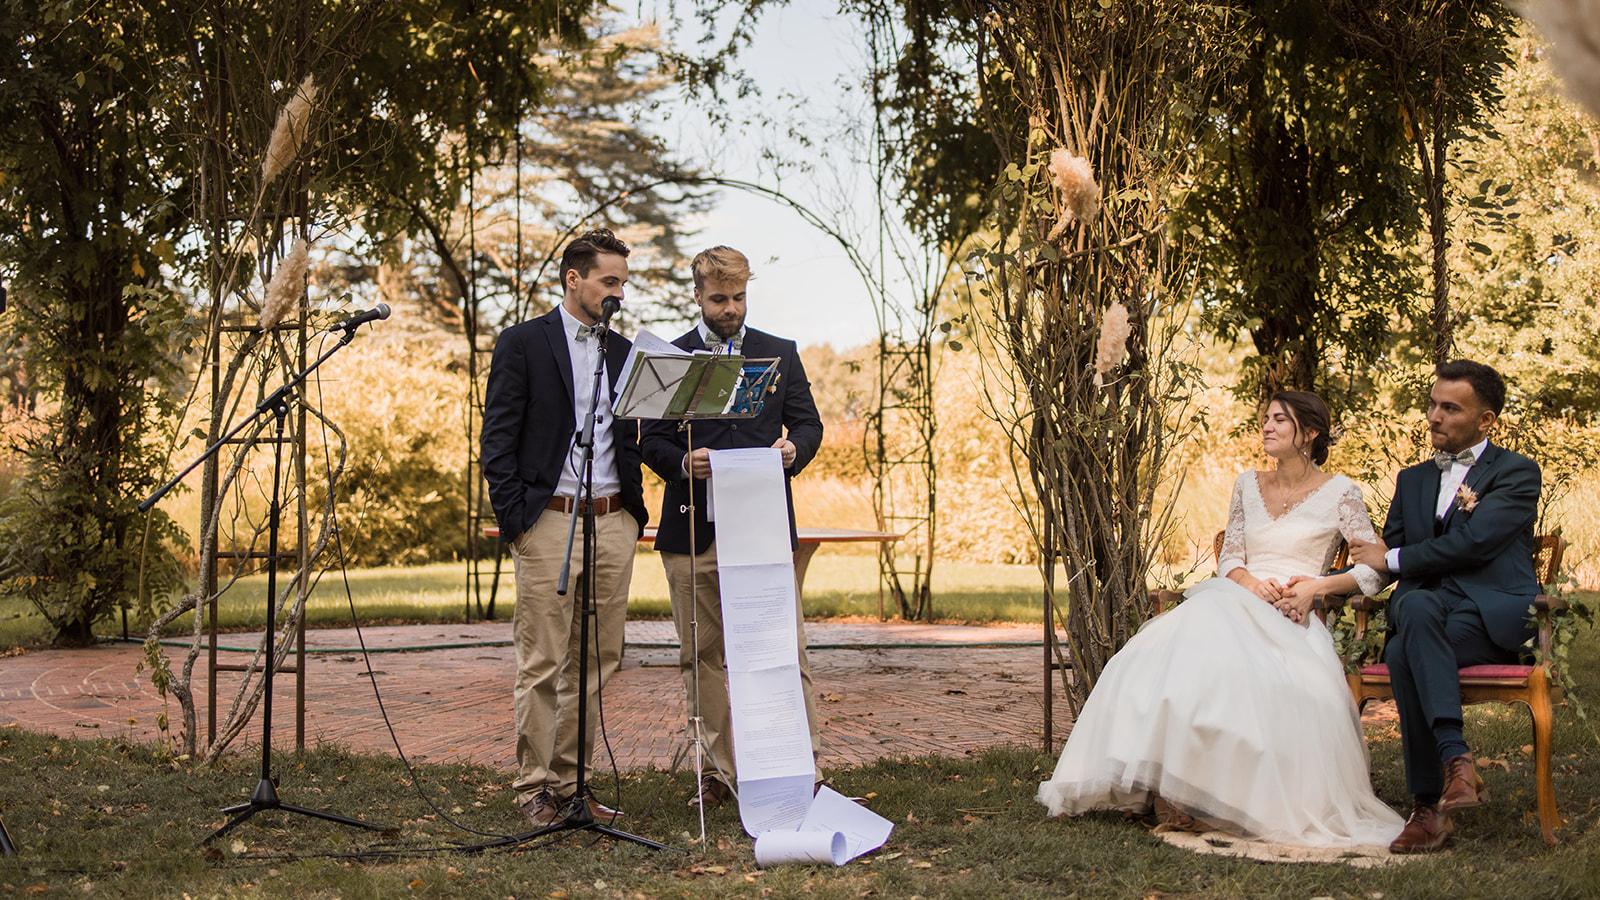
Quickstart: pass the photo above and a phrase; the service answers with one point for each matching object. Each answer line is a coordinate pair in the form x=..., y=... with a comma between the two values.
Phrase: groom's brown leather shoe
x=1463, y=786
x=1425, y=832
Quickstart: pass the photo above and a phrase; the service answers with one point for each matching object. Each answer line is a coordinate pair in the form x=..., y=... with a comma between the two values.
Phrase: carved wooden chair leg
x=1353, y=679
x=1543, y=716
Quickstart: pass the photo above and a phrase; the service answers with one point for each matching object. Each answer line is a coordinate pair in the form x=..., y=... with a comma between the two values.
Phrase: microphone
x=609, y=307
x=381, y=311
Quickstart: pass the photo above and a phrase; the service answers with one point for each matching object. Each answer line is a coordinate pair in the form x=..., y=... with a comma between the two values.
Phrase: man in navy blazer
x=1460, y=537
x=541, y=383
x=721, y=275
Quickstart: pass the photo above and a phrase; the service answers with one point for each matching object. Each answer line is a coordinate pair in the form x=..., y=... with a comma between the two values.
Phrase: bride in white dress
x=1232, y=708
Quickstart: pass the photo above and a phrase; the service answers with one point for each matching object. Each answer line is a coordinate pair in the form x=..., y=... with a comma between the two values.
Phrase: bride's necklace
x=1289, y=496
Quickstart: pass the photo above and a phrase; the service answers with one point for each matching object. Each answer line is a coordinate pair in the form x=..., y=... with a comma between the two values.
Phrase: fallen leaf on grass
x=1486, y=763
x=922, y=864
x=416, y=884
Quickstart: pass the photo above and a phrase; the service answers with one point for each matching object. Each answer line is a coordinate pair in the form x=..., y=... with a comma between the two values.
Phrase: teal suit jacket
x=1484, y=556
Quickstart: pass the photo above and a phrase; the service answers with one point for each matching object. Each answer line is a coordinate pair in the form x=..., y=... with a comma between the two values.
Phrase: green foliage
x=86, y=223
x=1526, y=266
x=1304, y=208
x=403, y=489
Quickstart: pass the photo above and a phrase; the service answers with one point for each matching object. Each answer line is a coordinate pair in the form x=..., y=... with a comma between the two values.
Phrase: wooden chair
x=1532, y=686
x=1326, y=606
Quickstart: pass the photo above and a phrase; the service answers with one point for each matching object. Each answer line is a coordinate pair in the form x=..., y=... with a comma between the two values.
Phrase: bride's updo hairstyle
x=1309, y=414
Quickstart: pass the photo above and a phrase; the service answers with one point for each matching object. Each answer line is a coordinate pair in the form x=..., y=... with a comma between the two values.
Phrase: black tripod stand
x=6, y=847
x=577, y=816
x=278, y=403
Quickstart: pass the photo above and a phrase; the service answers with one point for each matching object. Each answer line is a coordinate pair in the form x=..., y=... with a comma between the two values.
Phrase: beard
x=725, y=328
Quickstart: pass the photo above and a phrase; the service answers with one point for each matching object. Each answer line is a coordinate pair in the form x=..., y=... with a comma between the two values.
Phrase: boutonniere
x=1466, y=499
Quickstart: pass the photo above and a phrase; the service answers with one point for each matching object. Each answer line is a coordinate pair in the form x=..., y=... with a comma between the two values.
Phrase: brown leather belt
x=602, y=505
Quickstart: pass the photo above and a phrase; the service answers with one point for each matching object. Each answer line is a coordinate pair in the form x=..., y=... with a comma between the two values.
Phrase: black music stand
x=699, y=390
x=277, y=403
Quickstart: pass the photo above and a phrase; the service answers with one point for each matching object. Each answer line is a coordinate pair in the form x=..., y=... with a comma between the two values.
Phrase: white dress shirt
x=606, y=482
x=1449, y=482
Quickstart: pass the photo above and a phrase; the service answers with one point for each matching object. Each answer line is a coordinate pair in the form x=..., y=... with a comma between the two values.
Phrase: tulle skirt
x=1235, y=715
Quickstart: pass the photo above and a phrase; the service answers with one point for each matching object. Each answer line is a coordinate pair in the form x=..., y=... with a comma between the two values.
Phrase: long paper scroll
x=771, y=735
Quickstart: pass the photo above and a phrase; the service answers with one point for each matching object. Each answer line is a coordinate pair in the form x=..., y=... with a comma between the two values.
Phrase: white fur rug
x=1217, y=843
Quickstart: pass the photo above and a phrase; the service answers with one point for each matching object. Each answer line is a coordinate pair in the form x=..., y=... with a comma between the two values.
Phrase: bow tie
x=1443, y=459
x=717, y=342
x=586, y=331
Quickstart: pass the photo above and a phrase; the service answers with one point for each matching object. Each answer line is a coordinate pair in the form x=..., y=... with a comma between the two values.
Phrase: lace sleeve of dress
x=1232, y=555
x=1354, y=525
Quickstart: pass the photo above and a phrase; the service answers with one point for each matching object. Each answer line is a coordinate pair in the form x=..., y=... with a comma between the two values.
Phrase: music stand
x=699, y=388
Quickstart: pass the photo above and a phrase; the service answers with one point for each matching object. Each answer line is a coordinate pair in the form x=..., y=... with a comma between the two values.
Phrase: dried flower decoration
x=1112, y=346
x=1466, y=499
x=287, y=285
x=289, y=132
x=1573, y=29
x=1074, y=181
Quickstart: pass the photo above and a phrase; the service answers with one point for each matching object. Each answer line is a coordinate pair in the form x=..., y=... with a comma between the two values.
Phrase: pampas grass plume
x=289, y=132
x=286, y=286
x=1573, y=29
x=1112, y=346
x=1074, y=181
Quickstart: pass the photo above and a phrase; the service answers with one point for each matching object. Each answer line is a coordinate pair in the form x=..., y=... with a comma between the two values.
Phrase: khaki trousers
x=716, y=722
x=545, y=630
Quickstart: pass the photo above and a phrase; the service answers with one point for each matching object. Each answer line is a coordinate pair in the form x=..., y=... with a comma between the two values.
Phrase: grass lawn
x=123, y=819
x=837, y=584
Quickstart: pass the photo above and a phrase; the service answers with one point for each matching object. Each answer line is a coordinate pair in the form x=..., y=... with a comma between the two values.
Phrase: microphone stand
x=577, y=816
x=6, y=847
x=277, y=403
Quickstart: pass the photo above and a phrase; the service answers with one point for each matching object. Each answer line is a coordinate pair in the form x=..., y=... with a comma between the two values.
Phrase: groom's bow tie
x=1443, y=459
x=586, y=331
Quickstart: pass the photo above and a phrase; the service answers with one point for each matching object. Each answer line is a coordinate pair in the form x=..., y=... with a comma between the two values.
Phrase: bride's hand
x=1268, y=589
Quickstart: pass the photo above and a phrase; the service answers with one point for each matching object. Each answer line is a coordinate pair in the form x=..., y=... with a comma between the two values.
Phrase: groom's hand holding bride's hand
x=1298, y=597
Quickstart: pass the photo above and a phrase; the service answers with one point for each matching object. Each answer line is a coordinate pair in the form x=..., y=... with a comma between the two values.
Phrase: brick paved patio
x=884, y=690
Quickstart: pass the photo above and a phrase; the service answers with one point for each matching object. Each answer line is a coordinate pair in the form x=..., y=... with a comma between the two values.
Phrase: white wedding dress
x=1230, y=711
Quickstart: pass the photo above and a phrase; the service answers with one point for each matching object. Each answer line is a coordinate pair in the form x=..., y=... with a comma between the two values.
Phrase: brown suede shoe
x=1463, y=786
x=1426, y=831
x=541, y=809
x=712, y=793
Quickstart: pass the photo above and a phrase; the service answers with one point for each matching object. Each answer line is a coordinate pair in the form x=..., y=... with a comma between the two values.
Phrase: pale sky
x=805, y=287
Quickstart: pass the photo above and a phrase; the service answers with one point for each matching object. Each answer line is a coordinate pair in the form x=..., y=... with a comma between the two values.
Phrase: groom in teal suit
x=1459, y=537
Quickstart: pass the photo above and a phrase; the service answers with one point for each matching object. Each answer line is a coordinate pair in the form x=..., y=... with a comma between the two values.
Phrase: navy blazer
x=1484, y=556
x=663, y=444
x=528, y=423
